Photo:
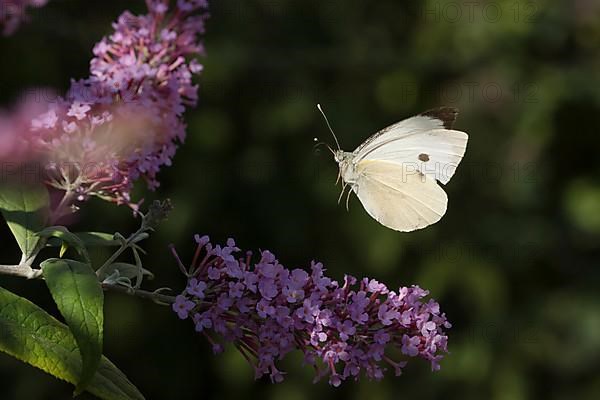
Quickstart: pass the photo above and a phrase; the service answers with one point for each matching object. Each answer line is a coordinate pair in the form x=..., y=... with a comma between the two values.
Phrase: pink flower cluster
x=266, y=310
x=124, y=122
x=13, y=12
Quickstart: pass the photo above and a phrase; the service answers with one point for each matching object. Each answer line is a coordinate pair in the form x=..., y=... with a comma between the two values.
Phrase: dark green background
x=514, y=263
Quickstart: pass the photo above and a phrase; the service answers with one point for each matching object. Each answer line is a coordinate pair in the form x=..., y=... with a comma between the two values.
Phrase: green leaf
x=24, y=208
x=98, y=239
x=80, y=299
x=31, y=335
x=68, y=238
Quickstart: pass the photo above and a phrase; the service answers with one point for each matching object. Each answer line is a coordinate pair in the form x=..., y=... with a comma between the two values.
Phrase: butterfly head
x=343, y=158
x=340, y=156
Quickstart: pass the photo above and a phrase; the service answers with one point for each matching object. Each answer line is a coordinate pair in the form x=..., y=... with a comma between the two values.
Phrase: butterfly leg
x=342, y=194
x=348, y=200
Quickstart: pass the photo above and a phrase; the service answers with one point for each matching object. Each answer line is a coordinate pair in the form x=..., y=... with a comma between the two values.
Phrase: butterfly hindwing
x=397, y=197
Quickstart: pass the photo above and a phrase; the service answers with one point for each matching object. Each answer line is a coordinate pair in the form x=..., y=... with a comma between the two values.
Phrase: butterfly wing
x=397, y=197
x=424, y=143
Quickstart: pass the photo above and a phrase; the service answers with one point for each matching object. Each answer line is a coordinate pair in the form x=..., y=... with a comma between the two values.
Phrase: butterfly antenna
x=329, y=126
x=323, y=144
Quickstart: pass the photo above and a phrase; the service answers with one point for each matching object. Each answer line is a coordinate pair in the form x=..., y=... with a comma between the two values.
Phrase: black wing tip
x=447, y=115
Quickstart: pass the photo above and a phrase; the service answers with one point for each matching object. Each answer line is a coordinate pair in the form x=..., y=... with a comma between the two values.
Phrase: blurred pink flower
x=16, y=136
x=13, y=12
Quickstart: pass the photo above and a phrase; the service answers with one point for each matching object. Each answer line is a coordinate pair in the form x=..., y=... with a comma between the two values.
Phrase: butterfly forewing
x=411, y=126
x=422, y=142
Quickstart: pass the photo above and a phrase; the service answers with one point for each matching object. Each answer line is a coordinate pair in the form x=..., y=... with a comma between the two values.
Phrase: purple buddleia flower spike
x=266, y=310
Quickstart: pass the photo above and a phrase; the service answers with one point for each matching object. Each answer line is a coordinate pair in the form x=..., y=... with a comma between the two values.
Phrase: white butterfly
x=394, y=172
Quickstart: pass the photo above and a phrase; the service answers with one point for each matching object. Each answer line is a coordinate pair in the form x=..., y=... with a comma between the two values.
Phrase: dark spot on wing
x=445, y=114
x=424, y=157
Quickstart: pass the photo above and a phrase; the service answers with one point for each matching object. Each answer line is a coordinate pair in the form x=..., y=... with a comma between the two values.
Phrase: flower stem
x=21, y=270
x=124, y=246
x=142, y=294
x=63, y=207
x=25, y=271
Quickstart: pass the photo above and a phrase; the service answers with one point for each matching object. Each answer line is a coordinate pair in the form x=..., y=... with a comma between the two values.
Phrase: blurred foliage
x=514, y=263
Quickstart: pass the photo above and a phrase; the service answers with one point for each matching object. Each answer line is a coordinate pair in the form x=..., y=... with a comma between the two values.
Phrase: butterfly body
x=395, y=172
x=347, y=166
